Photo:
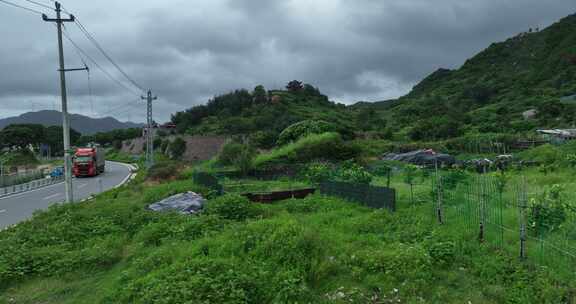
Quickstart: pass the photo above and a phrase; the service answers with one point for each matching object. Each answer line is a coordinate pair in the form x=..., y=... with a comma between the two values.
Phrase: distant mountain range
x=80, y=123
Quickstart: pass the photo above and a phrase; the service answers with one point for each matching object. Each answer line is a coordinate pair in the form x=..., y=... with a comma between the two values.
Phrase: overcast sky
x=188, y=51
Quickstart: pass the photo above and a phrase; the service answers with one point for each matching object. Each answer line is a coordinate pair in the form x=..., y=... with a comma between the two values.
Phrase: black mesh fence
x=370, y=196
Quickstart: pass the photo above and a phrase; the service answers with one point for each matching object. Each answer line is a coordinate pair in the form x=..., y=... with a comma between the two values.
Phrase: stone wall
x=197, y=147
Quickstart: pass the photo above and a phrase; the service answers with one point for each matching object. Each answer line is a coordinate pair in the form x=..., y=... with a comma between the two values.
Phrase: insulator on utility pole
x=149, y=129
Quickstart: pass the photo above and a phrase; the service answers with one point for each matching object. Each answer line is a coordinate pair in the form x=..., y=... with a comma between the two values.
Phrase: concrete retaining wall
x=197, y=147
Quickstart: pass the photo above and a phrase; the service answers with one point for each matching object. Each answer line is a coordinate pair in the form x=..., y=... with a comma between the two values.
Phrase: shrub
x=239, y=155
x=407, y=267
x=293, y=247
x=435, y=128
x=353, y=173
x=158, y=143
x=452, y=178
x=163, y=171
x=442, y=252
x=548, y=211
x=327, y=146
x=198, y=280
x=545, y=154
x=303, y=129
x=244, y=161
x=177, y=148
x=318, y=172
x=232, y=207
x=348, y=172
x=164, y=146
x=263, y=139
x=229, y=153
x=152, y=234
x=571, y=159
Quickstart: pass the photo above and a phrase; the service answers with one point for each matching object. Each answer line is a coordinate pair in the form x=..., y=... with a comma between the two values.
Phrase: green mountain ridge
x=488, y=94
x=492, y=89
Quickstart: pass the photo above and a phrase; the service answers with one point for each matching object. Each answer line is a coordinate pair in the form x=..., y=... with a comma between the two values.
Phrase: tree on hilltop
x=260, y=95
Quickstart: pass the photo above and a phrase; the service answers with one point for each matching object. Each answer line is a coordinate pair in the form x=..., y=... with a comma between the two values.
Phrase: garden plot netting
x=537, y=226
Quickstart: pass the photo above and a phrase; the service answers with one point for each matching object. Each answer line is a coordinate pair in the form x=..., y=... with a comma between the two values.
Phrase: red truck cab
x=88, y=162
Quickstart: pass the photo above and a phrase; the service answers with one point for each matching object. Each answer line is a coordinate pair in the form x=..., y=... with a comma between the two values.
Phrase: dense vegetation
x=112, y=138
x=262, y=114
x=23, y=136
x=316, y=250
x=489, y=93
x=322, y=249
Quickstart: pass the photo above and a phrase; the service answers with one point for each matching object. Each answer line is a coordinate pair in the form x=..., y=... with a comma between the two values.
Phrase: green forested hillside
x=489, y=93
x=265, y=114
x=535, y=70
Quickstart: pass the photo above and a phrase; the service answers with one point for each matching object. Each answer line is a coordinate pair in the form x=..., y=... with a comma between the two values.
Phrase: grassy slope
x=317, y=250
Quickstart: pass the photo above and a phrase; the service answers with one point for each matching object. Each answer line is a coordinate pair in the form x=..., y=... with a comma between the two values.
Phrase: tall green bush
x=177, y=148
x=232, y=207
x=326, y=146
x=303, y=129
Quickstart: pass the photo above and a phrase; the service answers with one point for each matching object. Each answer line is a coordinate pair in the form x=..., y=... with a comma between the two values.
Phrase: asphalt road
x=19, y=207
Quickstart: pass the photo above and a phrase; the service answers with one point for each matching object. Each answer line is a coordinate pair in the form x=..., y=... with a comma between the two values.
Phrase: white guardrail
x=36, y=184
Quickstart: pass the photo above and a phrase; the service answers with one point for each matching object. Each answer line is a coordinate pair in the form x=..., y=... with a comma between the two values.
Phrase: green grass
x=253, y=185
x=304, y=149
x=315, y=250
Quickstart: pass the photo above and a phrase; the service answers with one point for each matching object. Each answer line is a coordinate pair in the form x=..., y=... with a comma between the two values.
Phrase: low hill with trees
x=262, y=115
x=533, y=71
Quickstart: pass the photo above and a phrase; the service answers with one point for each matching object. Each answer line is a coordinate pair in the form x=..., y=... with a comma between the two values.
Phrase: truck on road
x=89, y=162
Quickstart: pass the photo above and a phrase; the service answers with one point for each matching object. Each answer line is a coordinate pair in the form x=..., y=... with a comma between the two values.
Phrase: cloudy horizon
x=366, y=50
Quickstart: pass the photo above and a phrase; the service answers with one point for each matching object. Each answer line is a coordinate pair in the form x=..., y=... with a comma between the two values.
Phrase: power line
x=79, y=49
x=91, y=38
x=40, y=4
x=21, y=7
x=133, y=102
x=129, y=110
x=99, y=47
x=81, y=53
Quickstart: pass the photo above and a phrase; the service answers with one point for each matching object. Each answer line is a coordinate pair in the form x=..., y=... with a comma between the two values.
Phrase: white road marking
x=60, y=183
x=3, y=210
x=52, y=196
x=82, y=186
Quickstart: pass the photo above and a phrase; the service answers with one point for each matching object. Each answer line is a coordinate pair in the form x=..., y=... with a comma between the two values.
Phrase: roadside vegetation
x=315, y=250
x=324, y=249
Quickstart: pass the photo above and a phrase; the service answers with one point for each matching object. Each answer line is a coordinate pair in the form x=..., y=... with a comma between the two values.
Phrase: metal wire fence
x=370, y=196
x=538, y=227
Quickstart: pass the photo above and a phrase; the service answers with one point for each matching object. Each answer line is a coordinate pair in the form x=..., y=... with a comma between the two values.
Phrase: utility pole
x=149, y=131
x=65, y=119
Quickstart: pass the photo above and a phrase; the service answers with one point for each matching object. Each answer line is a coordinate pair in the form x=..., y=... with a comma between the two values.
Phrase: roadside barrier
x=35, y=184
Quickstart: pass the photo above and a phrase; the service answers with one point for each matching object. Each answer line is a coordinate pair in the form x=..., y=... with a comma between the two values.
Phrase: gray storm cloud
x=188, y=51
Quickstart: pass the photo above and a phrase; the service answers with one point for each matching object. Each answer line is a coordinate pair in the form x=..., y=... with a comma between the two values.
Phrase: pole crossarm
x=72, y=70
x=71, y=19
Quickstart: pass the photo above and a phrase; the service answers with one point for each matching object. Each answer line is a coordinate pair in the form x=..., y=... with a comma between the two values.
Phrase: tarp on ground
x=185, y=203
x=422, y=158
